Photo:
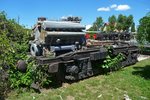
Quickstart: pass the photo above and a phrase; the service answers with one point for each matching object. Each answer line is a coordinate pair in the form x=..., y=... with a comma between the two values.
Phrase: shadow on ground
x=142, y=71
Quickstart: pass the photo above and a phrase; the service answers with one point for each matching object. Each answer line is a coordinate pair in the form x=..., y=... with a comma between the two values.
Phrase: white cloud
x=113, y=6
x=103, y=9
x=122, y=7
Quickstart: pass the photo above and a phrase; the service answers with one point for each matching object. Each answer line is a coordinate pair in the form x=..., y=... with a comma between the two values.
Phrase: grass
x=133, y=81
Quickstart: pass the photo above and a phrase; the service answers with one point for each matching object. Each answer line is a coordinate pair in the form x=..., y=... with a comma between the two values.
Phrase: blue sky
x=29, y=10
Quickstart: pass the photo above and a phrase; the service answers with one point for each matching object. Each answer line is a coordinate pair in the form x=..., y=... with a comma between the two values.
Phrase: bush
x=4, y=84
x=14, y=47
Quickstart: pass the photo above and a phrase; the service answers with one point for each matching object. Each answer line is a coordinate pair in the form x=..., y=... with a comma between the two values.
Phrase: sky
x=29, y=10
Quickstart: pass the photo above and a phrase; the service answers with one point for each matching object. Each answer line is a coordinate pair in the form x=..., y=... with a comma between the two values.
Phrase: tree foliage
x=133, y=27
x=121, y=23
x=112, y=22
x=97, y=24
x=13, y=38
x=124, y=22
x=144, y=30
x=14, y=46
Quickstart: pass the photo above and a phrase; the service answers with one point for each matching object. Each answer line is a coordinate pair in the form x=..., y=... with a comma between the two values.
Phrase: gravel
x=143, y=57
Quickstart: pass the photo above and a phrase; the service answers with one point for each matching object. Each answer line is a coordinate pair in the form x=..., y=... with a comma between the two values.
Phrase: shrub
x=4, y=84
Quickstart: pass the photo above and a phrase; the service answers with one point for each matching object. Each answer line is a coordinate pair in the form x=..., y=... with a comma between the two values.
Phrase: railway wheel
x=35, y=50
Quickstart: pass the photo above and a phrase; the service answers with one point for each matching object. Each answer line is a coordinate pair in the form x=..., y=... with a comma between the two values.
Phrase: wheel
x=35, y=50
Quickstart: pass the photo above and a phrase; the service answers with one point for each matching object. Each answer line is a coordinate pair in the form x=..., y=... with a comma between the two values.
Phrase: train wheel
x=35, y=50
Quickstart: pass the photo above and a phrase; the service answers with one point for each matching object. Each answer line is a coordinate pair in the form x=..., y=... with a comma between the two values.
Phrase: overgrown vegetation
x=132, y=81
x=14, y=47
x=4, y=84
x=112, y=62
x=14, y=40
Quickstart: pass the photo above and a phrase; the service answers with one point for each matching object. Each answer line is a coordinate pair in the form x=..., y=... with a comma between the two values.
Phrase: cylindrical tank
x=62, y=24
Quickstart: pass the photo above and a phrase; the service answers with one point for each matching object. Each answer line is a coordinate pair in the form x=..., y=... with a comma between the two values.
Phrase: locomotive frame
x=70, y=57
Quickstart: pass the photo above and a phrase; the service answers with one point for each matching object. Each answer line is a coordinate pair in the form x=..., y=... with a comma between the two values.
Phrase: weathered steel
x=62, y=24
x=62, y=46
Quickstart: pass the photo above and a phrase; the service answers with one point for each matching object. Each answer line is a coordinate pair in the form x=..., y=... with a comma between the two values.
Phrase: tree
x=144, y=30
x=129, y=22
x=133, y=27
x=121, y=22
x=124, y=22
x=112, y=21
x=97, y=24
